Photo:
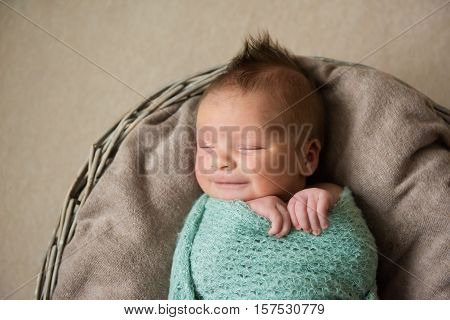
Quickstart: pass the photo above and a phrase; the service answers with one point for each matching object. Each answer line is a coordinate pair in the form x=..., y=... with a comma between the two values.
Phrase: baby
x=260, y=130
x=264, y=94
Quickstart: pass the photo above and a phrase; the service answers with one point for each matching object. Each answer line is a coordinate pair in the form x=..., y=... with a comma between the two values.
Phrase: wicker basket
x=102, y=153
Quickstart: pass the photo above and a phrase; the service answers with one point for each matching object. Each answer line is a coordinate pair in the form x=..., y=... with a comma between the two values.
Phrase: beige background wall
x=56, y=101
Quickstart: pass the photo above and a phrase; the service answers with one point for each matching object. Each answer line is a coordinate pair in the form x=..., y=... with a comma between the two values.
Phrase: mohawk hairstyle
x=264, y=65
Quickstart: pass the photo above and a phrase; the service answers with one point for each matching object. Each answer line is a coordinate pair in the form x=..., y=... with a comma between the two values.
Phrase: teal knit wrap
x=224, y=252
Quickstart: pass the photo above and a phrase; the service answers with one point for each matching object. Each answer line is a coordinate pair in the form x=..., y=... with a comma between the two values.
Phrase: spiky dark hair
x=263, y=65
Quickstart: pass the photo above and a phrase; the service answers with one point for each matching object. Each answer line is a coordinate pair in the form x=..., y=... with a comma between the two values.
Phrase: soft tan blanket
x=383, y=140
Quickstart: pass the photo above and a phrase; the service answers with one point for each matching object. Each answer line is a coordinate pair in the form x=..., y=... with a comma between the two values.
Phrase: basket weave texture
x=103, y=151
x=101, y=154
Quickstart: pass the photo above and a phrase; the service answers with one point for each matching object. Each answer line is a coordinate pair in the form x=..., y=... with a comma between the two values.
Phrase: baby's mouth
x=229, y=184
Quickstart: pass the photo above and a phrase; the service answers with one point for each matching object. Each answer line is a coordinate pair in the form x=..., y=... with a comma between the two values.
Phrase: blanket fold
x=224, y=252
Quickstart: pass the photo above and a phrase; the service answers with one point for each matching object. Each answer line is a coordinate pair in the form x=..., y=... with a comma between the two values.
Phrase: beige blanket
x=384, y=140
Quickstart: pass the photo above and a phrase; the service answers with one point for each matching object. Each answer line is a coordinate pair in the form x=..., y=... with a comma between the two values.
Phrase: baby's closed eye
x=250, y=148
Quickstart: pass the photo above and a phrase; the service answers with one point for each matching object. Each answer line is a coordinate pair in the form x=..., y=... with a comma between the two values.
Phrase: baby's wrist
x=334, y=189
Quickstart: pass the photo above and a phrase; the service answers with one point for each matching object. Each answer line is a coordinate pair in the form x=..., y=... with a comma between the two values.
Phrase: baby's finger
x=276, y=222
x=322, y=209
x=312, y=215
x=286, y=221
x=302, y=216
x=291, y=210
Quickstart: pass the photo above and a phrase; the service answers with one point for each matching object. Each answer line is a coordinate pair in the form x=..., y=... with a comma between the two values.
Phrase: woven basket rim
x=102, y=153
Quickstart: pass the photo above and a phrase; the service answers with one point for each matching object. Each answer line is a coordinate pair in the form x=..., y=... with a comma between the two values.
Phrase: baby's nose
x=225, y=160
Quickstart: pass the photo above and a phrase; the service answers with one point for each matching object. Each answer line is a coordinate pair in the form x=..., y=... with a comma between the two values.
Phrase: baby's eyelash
x=251, y=146
x=240, y=148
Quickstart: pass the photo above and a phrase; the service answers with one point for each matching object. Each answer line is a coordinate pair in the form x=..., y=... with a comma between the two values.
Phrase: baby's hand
x=274, y=209
x=308, y=209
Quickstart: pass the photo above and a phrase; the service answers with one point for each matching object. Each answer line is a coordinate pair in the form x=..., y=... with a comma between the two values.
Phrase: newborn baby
x=259, y=134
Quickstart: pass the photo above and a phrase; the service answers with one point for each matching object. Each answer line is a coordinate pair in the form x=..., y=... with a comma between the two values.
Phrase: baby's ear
x=311, y=161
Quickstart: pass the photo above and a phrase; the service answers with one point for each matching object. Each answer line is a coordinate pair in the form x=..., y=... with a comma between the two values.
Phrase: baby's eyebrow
x=235, y=135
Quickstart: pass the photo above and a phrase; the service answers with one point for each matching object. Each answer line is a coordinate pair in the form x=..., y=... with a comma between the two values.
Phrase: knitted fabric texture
x=224, y=252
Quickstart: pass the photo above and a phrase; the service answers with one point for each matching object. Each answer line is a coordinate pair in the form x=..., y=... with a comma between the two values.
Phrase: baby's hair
x=263, y=64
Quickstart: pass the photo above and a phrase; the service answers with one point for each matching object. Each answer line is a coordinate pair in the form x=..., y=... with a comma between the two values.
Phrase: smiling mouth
x=230, y=185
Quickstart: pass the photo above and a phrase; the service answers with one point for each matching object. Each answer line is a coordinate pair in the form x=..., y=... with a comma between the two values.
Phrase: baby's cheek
x=272, y=164
x=203, y=164
x=251, y=165
x=201, y=178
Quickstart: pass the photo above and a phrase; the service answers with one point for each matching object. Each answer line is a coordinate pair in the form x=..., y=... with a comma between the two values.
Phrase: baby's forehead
x=243, y=133
x=234, y=132
x=225, y=104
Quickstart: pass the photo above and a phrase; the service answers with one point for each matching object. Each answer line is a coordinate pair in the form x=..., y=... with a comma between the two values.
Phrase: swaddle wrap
x=224, y=252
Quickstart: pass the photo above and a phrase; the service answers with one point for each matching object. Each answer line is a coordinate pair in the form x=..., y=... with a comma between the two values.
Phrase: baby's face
x=238, y=158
